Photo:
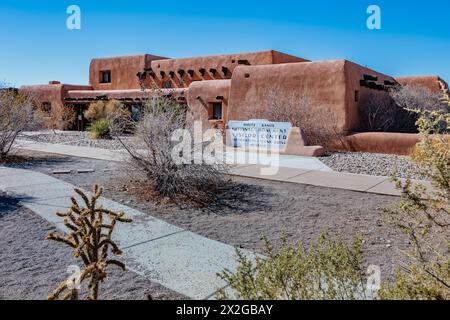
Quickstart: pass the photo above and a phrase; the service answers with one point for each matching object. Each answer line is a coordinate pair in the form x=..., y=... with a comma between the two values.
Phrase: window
x=105, y=76
x=167, y=84
x=46, y=107
x=136, y=112
x=217, y=111
x=356, y=96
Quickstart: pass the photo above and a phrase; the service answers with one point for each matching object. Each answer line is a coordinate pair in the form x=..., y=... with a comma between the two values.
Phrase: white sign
x=258, y=134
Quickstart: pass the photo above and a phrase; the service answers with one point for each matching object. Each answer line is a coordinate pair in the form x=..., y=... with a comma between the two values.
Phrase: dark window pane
x=105, y=76
x=135, y=112
x=217, y=111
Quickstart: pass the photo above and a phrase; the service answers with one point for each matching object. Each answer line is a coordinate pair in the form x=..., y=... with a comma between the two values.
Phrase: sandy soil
x=258, y=209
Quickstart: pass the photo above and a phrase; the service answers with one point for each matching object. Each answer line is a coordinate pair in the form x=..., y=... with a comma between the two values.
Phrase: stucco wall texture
x=240, y=83
x=429, y=82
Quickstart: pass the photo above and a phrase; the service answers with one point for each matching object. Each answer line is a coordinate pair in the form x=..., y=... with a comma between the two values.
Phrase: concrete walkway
x=238, y=158
x=293, y=169
x=76, y=151
x=334, y=180
x=175, y=258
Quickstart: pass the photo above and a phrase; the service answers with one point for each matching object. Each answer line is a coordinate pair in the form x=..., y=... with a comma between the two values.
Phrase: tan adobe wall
x=123, y=71
x=382, y=142
x=357, y=94
x=331, y=85
x=53, y=93
x=202, y=94
x=429, y=82
x=323, y=82
x=182, y=72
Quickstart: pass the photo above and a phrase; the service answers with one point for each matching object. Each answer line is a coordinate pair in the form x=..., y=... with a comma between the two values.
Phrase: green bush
x=100, y=129
x=328, y=270
x=424, y=215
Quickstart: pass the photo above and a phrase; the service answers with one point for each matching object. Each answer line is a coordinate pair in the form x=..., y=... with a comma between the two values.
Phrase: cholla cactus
x=90, y=237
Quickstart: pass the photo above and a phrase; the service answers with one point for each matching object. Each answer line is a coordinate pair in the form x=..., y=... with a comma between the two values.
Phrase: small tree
x=91, y=239
x=424, y=215
x=328, y=270
x=17, y=114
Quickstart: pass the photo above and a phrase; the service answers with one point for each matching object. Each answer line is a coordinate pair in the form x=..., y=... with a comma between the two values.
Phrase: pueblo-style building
x=221, y=88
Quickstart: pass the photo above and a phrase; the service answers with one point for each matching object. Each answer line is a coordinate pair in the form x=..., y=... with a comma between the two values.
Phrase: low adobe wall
x=53, y=93
x=381, y=142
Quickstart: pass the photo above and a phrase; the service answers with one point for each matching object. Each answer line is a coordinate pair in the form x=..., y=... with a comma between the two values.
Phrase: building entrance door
x=80, y=121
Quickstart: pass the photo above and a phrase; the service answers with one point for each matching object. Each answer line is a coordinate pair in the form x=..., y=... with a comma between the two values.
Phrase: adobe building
x=221, y=88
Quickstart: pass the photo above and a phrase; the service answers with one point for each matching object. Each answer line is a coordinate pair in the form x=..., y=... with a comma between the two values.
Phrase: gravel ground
x=371, y=164
x=73, y=138
x=258, y=209
x=32, y=267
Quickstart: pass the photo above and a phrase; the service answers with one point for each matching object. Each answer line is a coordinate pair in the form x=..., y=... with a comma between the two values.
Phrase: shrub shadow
x=240, y=198
x=10, y=203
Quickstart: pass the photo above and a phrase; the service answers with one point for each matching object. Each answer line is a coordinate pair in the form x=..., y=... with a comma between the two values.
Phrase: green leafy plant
x=100, y=129
x=424, y=215
x=329, y=270
x=103, y=115
x=90, y=237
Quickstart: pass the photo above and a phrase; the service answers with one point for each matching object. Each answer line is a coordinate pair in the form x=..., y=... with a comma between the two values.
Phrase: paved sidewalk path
x=334, y=180
x=239, y=157
x=293, y=169
x=76, y=151
x=175, y=258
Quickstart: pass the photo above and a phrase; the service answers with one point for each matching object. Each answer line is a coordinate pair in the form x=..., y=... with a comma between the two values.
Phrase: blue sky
x=37, y=47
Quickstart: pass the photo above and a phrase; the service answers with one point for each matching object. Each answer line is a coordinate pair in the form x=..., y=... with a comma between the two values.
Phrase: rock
x=62, y=172
x=371, y=164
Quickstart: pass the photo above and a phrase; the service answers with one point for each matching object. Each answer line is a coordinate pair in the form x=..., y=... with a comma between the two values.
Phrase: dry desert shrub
x=101, y=113
x=103, y=109
x=380, y=113
x=394, y=112
x=59, y=117
x=17, y=114
x=319, y=124
x=154, y=161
